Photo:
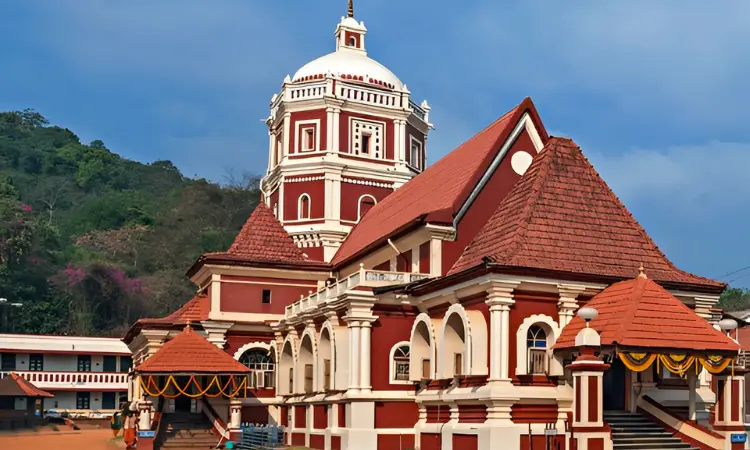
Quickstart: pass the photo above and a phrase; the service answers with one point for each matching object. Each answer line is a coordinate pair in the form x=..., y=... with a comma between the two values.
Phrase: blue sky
x=654, y=92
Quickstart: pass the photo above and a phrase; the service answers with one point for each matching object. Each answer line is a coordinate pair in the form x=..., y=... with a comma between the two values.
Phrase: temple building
x=502, y=294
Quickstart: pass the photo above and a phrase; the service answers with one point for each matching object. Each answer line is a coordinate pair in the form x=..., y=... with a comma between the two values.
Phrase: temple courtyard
x=95, y=439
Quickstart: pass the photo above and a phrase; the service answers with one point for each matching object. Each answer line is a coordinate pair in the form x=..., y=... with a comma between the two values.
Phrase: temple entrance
x=614, y=386
x=182, y=404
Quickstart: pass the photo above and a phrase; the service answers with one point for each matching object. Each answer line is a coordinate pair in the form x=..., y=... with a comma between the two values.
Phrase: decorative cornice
x=303, y=179
x=367, y=183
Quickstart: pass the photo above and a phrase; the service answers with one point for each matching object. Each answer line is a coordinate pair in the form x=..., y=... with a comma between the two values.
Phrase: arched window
x=366, y=202
x=400, y=363
x=262, y=365
x=303, y=207
x=536, y=344
x=352, y=41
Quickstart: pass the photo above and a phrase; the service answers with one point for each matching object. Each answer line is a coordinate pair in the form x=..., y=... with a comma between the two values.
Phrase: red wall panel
x=319, y=114
x=292, y=193
x=344, y=133
x=429, y=441
x=300, y=416
x=320, y=417
x=424, y=258
x=317, y=441
x=486, y=202
x=526, y=306
x=387, y=331
x=247, y=298
x=396, y=414
x=465, y=441
x=351, y=193
x=396, y=441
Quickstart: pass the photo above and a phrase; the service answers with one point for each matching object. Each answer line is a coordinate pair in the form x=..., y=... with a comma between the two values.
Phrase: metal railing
x=363, y=277
x=537, y=361
x=261, y=437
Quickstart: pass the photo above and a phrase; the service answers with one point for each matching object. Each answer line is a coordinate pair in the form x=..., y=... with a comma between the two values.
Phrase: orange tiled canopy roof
x=15, y=385
x=191, y=353
x=196, y=310
x=561, y=216
x=639, y=313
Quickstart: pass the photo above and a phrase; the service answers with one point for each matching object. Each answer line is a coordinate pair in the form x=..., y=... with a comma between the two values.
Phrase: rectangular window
x=84, y=363
x=458, y=364
x=327, y=374
x=426, y=369
x=308, y=139
x=108, y=400
x=416, y=154
x=537, y=361
x=308, y=378
x=291, y=381
x=110, y=364
x=402, y=370
x=126, y=362
x=366, y=143
x=83, y=400
x=266, y=296
x=8, y=362
x=36, y=362
x=269, y=380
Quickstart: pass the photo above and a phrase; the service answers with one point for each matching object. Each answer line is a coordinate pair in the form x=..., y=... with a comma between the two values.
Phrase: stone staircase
x=636, y=432
x=185, y=431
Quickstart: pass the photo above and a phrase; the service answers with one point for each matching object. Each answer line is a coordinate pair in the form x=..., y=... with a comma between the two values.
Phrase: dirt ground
x=62, y=440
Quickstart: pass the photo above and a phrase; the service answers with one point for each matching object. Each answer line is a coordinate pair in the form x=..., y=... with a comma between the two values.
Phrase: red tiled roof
x=264, y=239
x=190, y=353
x=436, y=194
x=16, y=385
x=561, y=216
x=196, y=310
x=640, y=313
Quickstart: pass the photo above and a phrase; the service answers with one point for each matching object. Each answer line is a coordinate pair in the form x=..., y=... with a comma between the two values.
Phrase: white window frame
x=376, y=130
x=300, y=125
x=309, y=207
x=553, y=330
x=392, y=363
x=412, y=140
x=359, y=204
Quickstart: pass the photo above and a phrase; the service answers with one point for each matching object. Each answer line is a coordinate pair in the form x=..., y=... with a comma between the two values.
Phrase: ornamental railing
x=363, y=278
x=418, y=110
x=74, y=380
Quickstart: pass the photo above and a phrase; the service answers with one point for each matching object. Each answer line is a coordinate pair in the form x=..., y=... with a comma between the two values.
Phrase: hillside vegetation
x=90, y=241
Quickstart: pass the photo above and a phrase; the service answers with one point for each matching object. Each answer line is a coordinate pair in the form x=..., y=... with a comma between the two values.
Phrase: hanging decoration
x=675, y=363
x=230, y=389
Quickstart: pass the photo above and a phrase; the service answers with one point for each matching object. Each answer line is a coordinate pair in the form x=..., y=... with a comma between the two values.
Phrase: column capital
x=501, y=293
x=571, y=291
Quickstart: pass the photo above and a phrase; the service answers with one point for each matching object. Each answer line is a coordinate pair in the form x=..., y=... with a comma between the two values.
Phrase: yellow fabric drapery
x=675, y=363
x=224, y=390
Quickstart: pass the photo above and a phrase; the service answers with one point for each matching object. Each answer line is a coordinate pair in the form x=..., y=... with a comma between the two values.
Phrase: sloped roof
x=561, y=216
x=195, y=310
x=16, y=386
x=640, y=313
x=190, y=353
x=436, y=194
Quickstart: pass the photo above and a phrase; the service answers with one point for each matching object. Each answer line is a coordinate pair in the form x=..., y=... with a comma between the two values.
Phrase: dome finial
x=641, y=271
x=351, y=8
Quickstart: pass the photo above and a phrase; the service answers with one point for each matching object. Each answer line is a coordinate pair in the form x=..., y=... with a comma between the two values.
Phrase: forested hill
x=90, y=241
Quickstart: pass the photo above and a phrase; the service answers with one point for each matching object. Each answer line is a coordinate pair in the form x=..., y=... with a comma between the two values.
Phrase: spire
x=351, y=8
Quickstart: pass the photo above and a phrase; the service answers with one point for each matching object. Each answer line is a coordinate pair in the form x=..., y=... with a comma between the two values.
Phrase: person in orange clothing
x=130, y=425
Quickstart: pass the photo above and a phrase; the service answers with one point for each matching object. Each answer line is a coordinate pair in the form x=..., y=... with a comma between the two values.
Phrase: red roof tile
x=561, y=216
x=196, y=310
x=640, y=313
x=436, y=194
x=189, y=353
x=16, y=385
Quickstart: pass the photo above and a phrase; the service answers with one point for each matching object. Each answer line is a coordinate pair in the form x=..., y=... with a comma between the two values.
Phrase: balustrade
x=68, y=380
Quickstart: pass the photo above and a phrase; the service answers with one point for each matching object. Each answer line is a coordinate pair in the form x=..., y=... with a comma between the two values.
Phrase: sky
x=655, y=93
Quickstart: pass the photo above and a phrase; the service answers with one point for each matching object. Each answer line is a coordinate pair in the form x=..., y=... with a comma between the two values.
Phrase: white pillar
x=335, y=145
x=499, y=299
x=354, y=356
x=365, y=357
x=144, y=419
x=287, y=139
x=691, y=379
x=329, y=129
x=568, y=303
x=235, y=413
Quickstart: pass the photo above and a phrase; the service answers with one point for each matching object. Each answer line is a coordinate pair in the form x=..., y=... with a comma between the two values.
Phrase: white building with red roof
x=379, y=303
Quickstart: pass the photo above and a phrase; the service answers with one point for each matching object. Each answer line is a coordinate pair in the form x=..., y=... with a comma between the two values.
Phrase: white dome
x=344, y=62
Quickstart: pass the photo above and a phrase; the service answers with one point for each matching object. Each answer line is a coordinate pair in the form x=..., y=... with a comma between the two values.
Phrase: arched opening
x=286, y=369
x=454, y=348
x=366, y=202
x=399, y=360
x=420, y=353
x=352, y=41
x=306, y=365
x=262, y=366
x=303, y=207
x=536, y=348
x=325, y=359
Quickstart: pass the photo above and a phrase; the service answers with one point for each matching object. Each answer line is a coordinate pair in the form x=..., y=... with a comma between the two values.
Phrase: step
x=639, y=446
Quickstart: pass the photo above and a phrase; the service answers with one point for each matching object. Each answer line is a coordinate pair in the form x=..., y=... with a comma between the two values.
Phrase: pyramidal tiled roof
x=640, y=313
x=195, y=310
x=16, y=385
x=190, y=353
x=561, y=216
x=436, y=194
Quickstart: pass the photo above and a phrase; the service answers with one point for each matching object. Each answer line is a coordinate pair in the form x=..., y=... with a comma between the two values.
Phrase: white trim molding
x=474, y=359
x=299, y=126
x=299, y=375
x=299, y=207
x=392, y=363
x=359, y=204
x=249, y=346
x=551, y=329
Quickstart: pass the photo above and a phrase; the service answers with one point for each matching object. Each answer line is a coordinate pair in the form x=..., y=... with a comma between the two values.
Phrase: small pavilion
x=19, y=402
x=643, y=330
x=188, y=374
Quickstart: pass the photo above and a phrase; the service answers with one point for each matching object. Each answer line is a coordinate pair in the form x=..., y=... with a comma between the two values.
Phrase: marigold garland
x=223, y=390
x=677, y=364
